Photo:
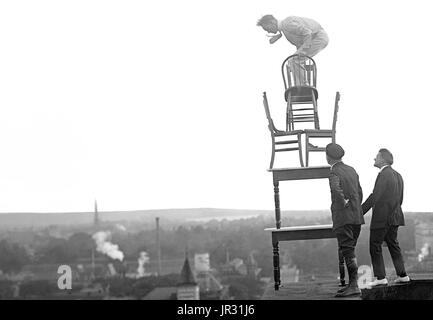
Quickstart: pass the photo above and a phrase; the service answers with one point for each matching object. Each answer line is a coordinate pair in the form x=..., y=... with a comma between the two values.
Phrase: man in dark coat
x=386, y=201
x=347, y=217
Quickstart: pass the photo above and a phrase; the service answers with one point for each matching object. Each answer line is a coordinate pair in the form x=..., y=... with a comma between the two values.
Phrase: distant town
x=206, y=254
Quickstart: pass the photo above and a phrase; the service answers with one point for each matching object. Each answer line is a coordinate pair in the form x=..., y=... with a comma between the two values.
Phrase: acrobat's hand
x=346, y=202
x=274, y=38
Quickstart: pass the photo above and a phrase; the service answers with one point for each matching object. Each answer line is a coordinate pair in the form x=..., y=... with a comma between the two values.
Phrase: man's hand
x=275, y=38
x=346, y=203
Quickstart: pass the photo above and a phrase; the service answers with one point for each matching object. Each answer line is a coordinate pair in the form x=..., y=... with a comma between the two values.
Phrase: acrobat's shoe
x=375, y=283
x=400, y=280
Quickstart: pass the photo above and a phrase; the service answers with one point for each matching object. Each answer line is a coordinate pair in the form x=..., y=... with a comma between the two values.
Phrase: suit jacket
x=344, y=184
x=386, y=200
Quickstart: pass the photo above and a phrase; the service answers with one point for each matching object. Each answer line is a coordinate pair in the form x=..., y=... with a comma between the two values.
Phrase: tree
x=12, y=257
x=81, y=244
x=57, y=251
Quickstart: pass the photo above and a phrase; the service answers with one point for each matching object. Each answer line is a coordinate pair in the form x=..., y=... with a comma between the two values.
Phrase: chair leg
x=289, y=115
x=300, y=150
x=292, y=122
x=306, y=149
x=316, y=114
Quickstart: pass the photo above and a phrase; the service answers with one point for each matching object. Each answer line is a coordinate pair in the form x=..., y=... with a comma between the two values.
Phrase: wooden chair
x=300, y=76
x=309, y=133
x=276, y=134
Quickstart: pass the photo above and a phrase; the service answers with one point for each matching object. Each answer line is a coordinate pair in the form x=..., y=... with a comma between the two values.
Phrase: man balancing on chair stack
x=306, y=34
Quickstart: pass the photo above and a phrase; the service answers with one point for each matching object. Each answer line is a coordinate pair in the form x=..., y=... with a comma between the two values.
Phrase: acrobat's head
x=268, y=23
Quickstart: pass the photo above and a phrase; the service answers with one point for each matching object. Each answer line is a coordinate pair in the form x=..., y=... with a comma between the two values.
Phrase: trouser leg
x=341, y=266
x=298, y=69
x=395, y=251
x=350, y=237
x=347, y=237
x=376, y=238
x=356, y=229
x=346, y=240
x=319, y=42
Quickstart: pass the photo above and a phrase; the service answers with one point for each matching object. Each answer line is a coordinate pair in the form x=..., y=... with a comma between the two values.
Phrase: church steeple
x=96, y=215
x=186, y=275
x=187, y=288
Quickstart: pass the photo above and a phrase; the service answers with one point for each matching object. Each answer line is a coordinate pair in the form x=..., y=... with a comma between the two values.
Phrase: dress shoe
x=349, y=291
x=342, y=289
x=375, y=283
x=352, y=289
x=399, y=280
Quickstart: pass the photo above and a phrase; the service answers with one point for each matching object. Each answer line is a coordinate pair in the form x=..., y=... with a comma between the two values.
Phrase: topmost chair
x=300, y=76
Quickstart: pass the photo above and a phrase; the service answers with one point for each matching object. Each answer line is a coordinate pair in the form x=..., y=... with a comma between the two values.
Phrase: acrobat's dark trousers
x=347, y=236
x=389, y=235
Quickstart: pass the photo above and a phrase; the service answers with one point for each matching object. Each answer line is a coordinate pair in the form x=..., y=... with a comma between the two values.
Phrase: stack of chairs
x=300, y=93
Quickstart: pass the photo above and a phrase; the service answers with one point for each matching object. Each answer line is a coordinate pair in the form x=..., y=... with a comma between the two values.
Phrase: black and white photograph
x=233, y=151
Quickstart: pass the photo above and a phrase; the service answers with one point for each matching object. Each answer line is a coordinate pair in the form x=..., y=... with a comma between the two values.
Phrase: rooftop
x=321, y=289
x=324, y=288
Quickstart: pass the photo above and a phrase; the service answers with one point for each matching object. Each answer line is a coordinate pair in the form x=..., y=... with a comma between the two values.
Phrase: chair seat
x=316, y=149
x=301, y=94
x=287, y=133
x=318, y=133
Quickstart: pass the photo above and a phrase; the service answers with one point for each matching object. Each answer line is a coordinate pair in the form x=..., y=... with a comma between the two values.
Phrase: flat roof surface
x=323, y=289
x=420, y=288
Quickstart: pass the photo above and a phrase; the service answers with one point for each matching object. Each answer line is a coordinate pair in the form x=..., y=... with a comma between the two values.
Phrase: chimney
x=92, y=275
x=158, y=247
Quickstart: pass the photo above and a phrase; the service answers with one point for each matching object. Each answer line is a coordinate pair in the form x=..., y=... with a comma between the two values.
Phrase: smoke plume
x=106, y=247
x=424, y=252
x=120, y=227
x=142, y=260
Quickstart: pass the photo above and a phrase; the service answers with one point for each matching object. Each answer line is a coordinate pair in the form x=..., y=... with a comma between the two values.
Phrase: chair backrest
x=334, y=121
x=268, y=114
x=296, y=67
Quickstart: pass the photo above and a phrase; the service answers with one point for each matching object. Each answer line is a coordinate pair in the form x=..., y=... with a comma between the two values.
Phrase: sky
x=158, y=104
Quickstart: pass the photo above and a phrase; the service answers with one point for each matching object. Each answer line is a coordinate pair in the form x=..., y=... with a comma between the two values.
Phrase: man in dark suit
x=347, y=217
x=386, y=201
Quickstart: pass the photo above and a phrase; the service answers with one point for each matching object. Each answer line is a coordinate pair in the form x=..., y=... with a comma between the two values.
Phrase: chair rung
x=286, y=149
x=301, y=102
x=286, y=142
x=302, y=116
x=302, y=109
x=294, y=98
x=316, y=149
x=317, y=135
